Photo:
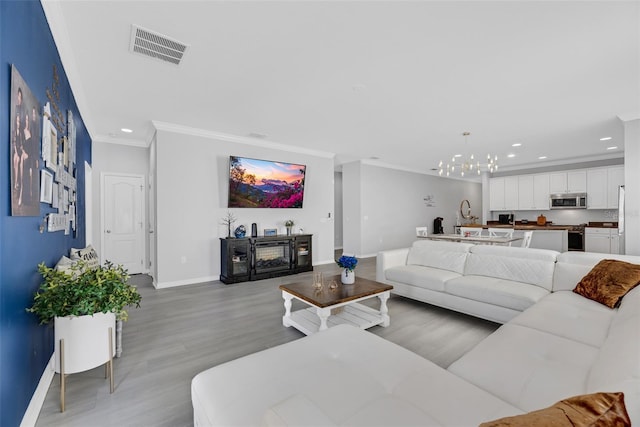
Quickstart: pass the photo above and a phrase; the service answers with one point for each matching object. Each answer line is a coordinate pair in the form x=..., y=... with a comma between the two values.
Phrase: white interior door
x=123, y=221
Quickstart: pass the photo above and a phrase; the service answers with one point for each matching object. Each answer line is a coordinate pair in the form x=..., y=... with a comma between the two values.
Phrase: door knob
x=108, y=231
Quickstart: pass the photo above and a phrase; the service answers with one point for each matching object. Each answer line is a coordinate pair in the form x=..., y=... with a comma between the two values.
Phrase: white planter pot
x=86, y=341
x=348, y=277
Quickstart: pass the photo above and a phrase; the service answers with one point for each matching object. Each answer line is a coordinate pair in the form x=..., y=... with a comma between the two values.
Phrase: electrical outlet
x=183, y=259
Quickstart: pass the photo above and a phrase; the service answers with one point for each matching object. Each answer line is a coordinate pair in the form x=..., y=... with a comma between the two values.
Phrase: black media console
x=255, y=258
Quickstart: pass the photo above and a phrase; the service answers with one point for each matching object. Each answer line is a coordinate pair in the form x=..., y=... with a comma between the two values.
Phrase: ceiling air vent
x=156, y=45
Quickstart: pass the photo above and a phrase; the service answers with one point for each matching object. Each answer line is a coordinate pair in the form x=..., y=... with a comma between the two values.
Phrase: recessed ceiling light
x=511, y=155
x=126, y=130
x=542, y=157
x=606, y=138
x=517, y=144
x=613, y=147
x=457, y=155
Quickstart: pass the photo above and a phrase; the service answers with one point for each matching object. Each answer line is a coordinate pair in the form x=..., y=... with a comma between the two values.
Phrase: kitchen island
x=548, y=236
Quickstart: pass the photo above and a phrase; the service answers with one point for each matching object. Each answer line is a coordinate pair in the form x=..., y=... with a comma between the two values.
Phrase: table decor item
x=289, y=224
x=317, y=280
x=348, y=264
x=240, y=231
x=228, y=220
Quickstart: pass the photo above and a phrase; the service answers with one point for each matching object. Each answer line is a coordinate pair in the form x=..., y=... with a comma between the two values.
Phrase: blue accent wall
x=26, y=346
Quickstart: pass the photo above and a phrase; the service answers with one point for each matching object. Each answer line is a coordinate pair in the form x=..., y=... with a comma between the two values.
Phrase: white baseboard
x=162, y=285
x=37, y=400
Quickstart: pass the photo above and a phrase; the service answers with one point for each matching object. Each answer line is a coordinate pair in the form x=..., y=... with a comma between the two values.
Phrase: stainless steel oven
x=575, y=238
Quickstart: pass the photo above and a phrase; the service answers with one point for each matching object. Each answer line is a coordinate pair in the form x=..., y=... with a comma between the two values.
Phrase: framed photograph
x=65, y=151
x=52, y=161
x=270, y=232
x=46, y=186
x=25, y=141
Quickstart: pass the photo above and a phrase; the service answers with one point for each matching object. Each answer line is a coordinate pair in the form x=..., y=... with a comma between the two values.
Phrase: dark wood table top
x=328, y=297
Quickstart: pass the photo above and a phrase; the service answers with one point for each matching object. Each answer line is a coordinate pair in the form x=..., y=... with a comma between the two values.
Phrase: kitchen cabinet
x=597, y=188
x=602, y=187
x=503, y=193
x=533, y=192
x=601, y=240
x=568, y=182
x=615, y=178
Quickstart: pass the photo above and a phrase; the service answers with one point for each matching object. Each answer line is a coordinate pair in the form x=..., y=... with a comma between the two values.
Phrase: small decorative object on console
x=228, y=220
x=240, y=231
x=289, y=224
x=348, y=263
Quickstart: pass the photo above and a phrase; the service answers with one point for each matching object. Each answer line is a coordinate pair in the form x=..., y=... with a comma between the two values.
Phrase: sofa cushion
x=490, y=290
x=420, y=276
x=570, y=316
x=340, y=372
x=527, y=368
x=534, y=266
x=65, y=265
x=443, y=255
x=571, y=267
x=617, y=367
x=598, y=409
x=609, y=281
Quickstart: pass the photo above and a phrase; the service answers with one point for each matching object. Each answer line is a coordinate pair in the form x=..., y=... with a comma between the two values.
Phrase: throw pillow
x=598, y=409
x=609, y=281
x=64, y=265
x=88, y=255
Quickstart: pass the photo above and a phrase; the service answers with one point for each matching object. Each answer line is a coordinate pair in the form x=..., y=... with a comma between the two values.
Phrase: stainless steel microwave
x=568, y=201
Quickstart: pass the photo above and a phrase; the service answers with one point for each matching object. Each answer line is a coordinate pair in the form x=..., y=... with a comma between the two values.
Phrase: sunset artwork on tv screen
x=257, y=183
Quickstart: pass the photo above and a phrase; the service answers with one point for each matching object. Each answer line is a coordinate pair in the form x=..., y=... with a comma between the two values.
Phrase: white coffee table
x=343, y=301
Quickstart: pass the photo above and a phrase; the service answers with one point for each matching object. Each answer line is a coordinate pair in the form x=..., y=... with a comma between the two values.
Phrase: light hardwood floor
x=181, y=331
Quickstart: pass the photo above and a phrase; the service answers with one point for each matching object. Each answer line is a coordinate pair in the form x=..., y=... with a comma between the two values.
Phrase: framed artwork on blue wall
x=25, y=148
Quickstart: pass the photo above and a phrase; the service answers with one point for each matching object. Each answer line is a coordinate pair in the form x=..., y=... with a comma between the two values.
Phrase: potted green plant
x=84, y=291
x=84, y=304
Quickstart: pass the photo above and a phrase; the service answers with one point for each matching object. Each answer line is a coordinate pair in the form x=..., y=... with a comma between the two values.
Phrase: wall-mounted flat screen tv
x=257, y=183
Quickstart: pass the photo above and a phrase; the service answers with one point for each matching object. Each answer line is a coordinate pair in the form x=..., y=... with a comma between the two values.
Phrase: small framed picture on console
x=270, y=232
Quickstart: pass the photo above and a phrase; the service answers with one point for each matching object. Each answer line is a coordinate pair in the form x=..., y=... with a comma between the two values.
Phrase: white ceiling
x=394, y=80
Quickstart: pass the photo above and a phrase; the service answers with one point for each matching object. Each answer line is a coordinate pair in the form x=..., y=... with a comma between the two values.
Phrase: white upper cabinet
x=568, y=182
x=503, y=193
x=511, y=193
x=615, y=178
x=525, y=192
x=602, y=187
x=577, y=181
x=496, y=194
x=541, y=191
x=597, y=188
x=533, y=192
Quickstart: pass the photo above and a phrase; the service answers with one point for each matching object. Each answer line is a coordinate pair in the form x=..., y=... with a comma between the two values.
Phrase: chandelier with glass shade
x=462, y=165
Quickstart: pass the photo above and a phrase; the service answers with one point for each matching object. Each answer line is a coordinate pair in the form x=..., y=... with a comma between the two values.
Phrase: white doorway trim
x=142, y=215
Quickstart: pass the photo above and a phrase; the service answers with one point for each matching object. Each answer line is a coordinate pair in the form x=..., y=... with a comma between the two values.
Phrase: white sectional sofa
x=492, y=282
x=562, y=345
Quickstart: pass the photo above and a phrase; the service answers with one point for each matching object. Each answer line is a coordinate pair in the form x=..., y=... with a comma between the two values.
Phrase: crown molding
x=105, y=139
x=628, y=117
x=58, y=26
x=209, y=134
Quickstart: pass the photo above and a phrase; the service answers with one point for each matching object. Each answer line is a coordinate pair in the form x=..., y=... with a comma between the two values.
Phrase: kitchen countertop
x=531, y=225
x=605, y=224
